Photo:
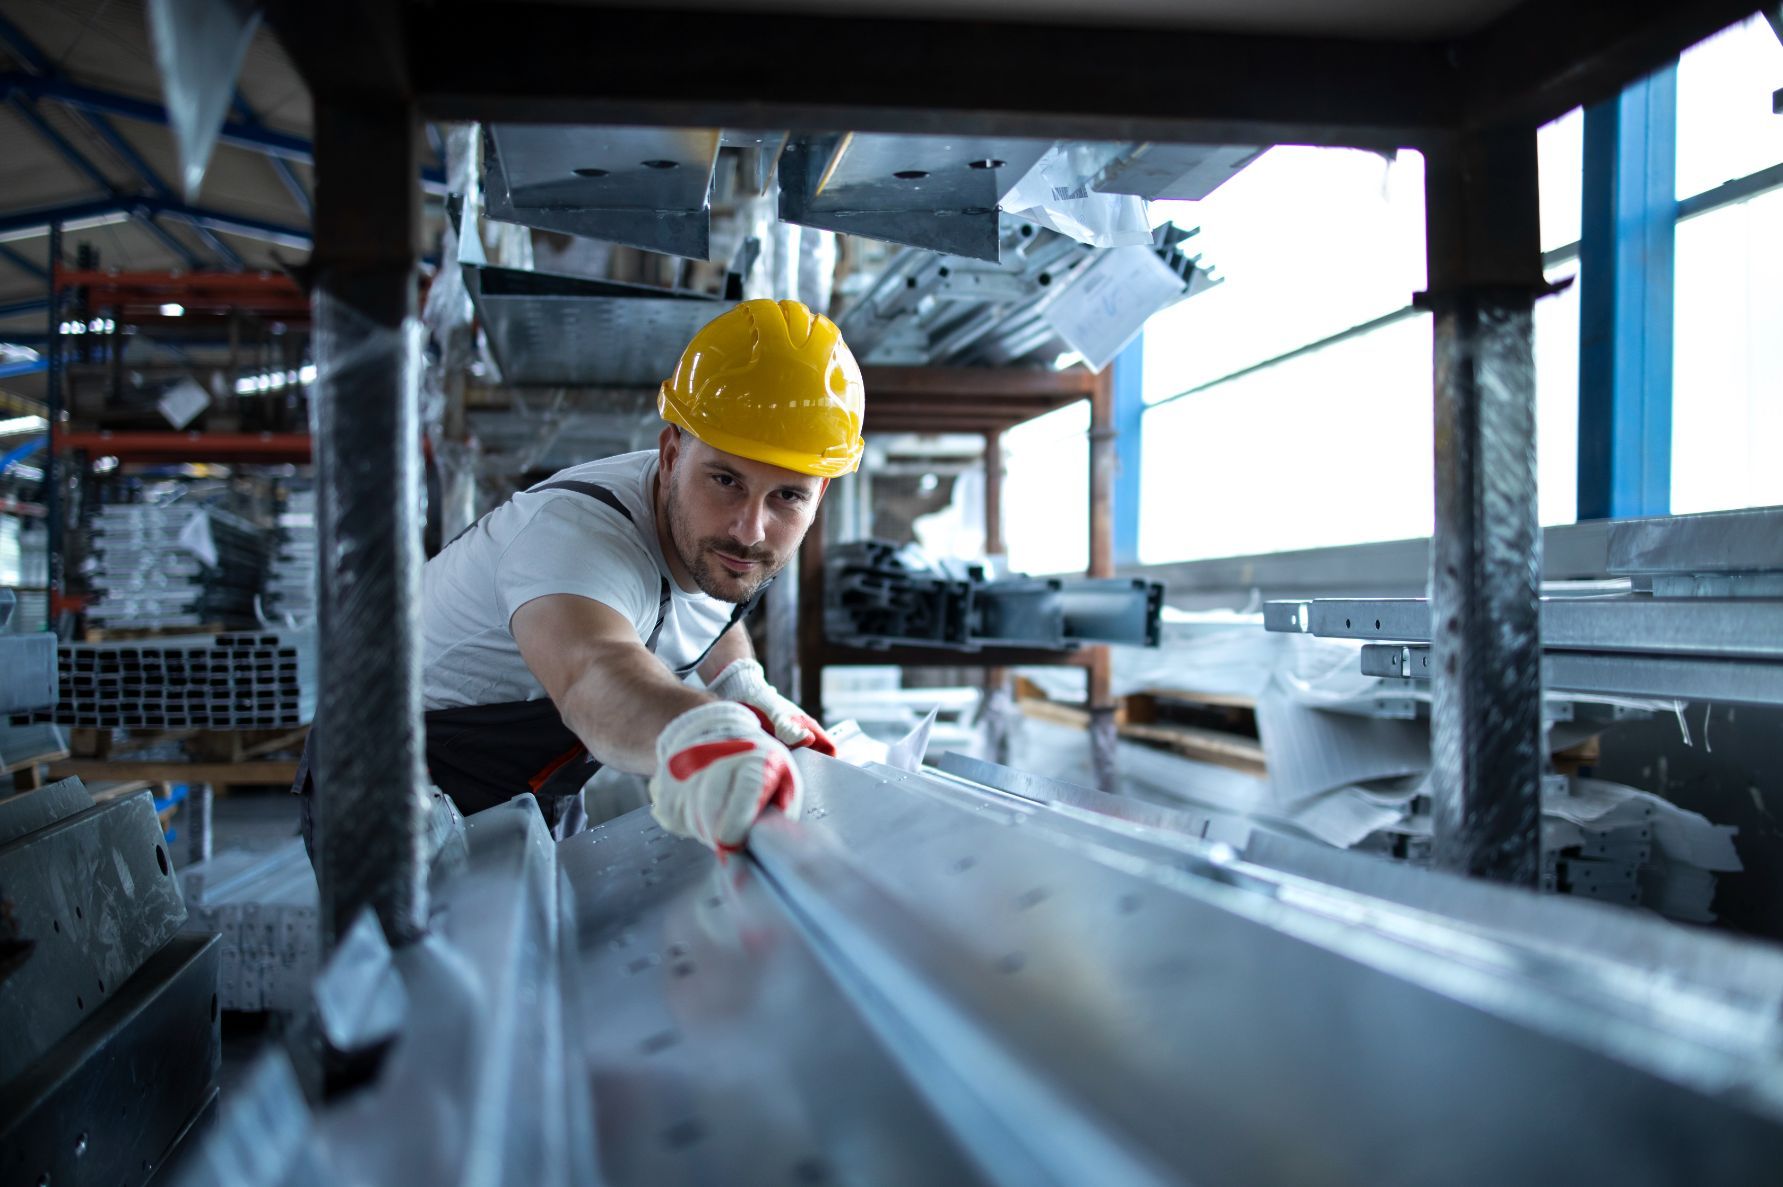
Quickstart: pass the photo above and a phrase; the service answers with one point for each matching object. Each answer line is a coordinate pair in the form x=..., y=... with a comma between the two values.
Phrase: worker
x=566, y=627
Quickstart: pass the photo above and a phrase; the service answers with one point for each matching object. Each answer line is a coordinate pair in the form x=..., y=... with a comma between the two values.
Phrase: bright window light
x=22, y=424
x=173, y=310
x=1726, y=128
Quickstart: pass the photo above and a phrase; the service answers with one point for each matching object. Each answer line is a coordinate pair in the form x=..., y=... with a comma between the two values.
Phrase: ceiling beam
x=910, y=75
x=968, y=383
x=1546, y=57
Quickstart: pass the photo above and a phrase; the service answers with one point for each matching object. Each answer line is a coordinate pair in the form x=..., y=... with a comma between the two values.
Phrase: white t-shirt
x=552, y=542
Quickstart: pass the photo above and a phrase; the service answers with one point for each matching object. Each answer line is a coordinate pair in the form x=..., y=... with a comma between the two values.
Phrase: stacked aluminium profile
x=880, y=595
x=264, y=906
x=290, y=589
x=172, y=565
x=246, y=680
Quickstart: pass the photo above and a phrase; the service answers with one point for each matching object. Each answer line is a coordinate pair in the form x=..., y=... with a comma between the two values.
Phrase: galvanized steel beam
x=1485, y=561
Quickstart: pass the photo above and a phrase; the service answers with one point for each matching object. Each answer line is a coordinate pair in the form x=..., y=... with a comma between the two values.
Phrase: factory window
x=1727, y=410
x=1726, y=126
x=1046, y=492
x=1727, y=364
x=1291, y=406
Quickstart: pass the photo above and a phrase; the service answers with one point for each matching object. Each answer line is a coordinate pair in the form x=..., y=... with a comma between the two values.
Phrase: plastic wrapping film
x=1056, y=194
x=1486, y=730
x=369, y=776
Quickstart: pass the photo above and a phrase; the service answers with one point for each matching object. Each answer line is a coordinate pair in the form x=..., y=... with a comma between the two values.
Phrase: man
x=561, y=629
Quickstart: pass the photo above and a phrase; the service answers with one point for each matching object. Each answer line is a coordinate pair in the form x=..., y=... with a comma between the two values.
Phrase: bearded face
x=733, y=523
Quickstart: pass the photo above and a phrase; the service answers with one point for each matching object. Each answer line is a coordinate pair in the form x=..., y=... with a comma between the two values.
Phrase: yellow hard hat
x=773, y=382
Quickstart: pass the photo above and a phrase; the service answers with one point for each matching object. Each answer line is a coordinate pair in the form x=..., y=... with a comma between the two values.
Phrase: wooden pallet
x=1235, y=750
x=220, y=775
x=124, y=634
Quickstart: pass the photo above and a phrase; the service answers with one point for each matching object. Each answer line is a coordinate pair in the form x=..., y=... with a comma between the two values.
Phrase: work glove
x=716, y=772
x=742, y=681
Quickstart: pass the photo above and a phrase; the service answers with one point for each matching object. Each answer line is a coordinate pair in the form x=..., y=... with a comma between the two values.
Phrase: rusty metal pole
x=1101, y=691
x=997, y=708
x=810, y=613
x=1485, y=562
x=370, y=808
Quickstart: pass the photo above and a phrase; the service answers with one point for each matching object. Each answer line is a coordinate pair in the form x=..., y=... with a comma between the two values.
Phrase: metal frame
x=1625, y=306
x=1471, y=103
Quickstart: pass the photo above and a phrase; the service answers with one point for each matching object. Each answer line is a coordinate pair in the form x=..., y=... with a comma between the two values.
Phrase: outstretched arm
x=612, y=693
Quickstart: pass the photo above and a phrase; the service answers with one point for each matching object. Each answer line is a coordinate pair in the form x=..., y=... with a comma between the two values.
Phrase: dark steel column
x=370, y=811
x=1101, y=671
x=52, y=478
x=811, y=637
x=1485, y=562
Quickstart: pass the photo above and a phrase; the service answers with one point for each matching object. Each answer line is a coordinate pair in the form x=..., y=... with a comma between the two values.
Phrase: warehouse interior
x=1299, y=662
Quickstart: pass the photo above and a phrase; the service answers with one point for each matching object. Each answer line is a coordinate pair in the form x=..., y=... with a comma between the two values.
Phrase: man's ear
x=823, y=485
x=668, y=447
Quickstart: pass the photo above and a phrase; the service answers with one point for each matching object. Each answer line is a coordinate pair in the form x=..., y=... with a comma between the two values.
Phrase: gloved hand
x=716, y=772
x=742, y=681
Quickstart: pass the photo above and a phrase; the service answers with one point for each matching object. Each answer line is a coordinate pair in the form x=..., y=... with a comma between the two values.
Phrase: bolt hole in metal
x=589, y=171
x=57, y=924
x=987, y=163
x=1044, y=279
x=911, y=174
x=161, y=858
x=79, y=914
x=660, y=164
x=964, y=864
x=80, y=1003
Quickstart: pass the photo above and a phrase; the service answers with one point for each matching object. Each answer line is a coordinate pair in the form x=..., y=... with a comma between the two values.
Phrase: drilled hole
x=911, y=174
x=1044, y=279
x=1346, y=624
x=964, y=864
x=57, y=924
x=102, y=985
x=79, y=914
x=589, y=171
x=161, y=858
x=661, y=164
x=1377, y=624
x=80, y=1003
x=987, y=163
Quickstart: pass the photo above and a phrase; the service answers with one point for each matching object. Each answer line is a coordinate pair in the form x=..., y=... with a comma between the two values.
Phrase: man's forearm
x=732, y=646
x=621, y=702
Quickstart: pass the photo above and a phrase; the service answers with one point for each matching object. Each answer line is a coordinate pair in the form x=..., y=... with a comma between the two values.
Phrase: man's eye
x=724, y=480
x=793, y=496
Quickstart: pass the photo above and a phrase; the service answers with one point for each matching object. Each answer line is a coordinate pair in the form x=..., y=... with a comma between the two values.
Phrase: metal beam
x=1129, y=422
x=92, y=99
x=369, y=808
x=1484, y=250
x=23, y=263
x=25, y=222
x=1548, y=56
x=1625, y=301
x=1241, y=89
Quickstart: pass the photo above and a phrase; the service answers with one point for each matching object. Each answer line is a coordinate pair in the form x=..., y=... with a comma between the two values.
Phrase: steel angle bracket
x=108, y=1103
x=1173, y=172
x=641, y=187
x=94, y=895
x=1685, y=677
x=933, y=192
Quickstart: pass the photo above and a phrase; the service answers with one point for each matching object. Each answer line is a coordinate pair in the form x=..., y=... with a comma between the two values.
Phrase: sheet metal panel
x=106, y=1105
x=95, y=895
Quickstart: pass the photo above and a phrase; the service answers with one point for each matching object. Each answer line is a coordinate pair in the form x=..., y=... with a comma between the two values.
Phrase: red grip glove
x=717, y=772
x=743, y=682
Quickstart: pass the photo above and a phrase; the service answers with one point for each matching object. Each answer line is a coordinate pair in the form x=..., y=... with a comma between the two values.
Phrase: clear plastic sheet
x=1056, y=194
x=370, y=783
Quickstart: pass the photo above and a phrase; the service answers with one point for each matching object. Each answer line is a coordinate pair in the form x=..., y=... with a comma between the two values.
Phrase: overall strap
x=596, y=491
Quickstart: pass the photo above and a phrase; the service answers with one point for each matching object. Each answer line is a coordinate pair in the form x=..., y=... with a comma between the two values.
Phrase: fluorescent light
x=22, y=424
x=173, y=310
x=10, y=353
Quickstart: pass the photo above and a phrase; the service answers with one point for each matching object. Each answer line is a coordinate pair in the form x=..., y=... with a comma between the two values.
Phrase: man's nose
x=749, y=528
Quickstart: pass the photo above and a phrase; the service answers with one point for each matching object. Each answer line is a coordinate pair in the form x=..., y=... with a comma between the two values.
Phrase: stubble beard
x=712, y=578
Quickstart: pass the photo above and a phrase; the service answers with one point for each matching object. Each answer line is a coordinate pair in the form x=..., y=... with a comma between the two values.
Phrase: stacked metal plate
x=244, y=680
x=290, y=590
x=110, y=1015
x=172, y=565
x=263, y=904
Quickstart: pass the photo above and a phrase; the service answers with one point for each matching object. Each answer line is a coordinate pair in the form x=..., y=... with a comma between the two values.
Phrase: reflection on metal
x=1684, y=678
x=199, y=46
x=554, y=330
x=27, y=671
x=1748, y=541
x=1173, y=172
x=94, y=895
x=1712, y=628
x=646, y=187
x=934, y=192
x=109, y=1014
x=929, y=979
